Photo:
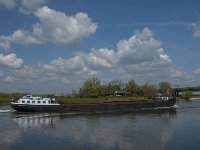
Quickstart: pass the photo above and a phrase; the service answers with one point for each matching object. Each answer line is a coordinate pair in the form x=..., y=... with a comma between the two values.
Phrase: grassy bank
x=190, y=99
x=69, y=100
x=5, y=98
x=66, y=99
x=5, y=101
x=94, y=100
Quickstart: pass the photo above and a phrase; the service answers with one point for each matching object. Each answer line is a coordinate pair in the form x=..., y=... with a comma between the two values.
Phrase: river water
x=178, y=128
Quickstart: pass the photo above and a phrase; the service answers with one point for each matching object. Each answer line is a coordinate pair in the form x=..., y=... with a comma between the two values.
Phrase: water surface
x=177, y=128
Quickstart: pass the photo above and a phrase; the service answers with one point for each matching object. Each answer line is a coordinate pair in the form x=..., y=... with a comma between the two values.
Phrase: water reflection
x=110, y=130
x=39, y=120
x=9, y=138
x=157, y=129
x=29, y=120
x=9, y=134
x=133, y=130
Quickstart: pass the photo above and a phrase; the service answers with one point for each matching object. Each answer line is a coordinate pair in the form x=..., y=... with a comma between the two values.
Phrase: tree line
x=6, y=97
x=92, y=88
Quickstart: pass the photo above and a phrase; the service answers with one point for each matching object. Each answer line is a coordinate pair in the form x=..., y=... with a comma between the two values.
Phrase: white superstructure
x=36, y=100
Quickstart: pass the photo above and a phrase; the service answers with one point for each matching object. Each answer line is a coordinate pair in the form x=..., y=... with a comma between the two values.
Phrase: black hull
x=110, y=106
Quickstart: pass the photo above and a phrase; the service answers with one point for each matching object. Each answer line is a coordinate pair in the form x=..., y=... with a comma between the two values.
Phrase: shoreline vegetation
x=92, y=91
x=66, y=100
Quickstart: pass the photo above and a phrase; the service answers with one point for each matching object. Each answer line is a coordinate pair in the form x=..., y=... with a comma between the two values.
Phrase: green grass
x=75, y=100
x=5, y=98
x=5, y=101
x=95, y=100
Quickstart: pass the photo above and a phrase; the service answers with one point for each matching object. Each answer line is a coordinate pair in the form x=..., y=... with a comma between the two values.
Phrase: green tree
x=104, y=90
x=132, y=88
x=117, y=85
x=113, y=86
x=110, y=88
x=91, y=88
x=165, y=88
x=186, y=95
x=149, y=90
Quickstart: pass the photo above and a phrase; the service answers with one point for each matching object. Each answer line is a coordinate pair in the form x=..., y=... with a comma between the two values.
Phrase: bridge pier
x=176, y=93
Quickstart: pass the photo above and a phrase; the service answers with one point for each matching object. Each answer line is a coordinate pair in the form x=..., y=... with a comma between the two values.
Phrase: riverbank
x=96, y=100
x=5, y=101
x=195, y=98
x=77, y=100
x=5, y=98
x=190, y=99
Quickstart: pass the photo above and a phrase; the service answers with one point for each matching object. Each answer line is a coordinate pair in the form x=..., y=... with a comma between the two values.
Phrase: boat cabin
x=29, y=99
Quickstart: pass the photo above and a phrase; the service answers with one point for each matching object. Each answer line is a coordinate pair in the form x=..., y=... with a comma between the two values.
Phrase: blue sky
x=51, y=46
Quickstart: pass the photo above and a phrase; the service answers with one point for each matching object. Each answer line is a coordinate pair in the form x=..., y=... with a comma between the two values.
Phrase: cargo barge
x=31, y=103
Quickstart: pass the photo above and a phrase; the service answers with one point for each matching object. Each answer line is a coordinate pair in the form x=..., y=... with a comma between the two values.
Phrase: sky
x=49, y=46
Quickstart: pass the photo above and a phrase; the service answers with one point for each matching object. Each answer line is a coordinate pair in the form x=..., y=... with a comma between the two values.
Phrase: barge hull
x=107, y=106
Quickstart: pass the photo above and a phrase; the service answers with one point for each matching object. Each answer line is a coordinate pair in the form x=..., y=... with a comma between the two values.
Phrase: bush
x=149, y=90
x=186, y=95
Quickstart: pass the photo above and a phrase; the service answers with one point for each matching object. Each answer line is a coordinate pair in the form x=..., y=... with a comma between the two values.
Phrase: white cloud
x=197, y=71
x=5, y=42
x=196, y=27
x=65, y=65
x=140, y=48
x=99, y=59
x=26, y=6
x=26, y=71
x=1, y=73
x=23, y=37
x=8, y=3
x=141, y=57
x=179, y=75
x=196, y=80
x=53, y=26
x=9, y=79
x=66, y=70
x=11, y=61
x=29, y=6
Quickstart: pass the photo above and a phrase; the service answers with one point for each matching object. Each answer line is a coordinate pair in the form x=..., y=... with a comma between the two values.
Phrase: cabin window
x=28, y=101
x=44, y=102
x=38, y=101
x=33, y=102
x=23, y=101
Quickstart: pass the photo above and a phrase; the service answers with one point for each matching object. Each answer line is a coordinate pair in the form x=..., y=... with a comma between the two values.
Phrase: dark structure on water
x=45, y=105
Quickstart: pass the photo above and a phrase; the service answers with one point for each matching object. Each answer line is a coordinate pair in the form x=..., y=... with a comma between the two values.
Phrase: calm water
x=143, y=130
